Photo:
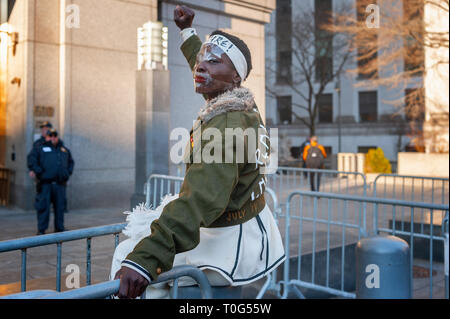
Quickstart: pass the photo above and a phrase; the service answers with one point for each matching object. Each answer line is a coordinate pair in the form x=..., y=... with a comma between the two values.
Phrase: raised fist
x=183, y=17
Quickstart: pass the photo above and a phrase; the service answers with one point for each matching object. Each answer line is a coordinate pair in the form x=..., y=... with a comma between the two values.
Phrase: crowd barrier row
x=108, y=289
x=326, y=226
x=410, y=188
x=348, y=213
x=58, y=239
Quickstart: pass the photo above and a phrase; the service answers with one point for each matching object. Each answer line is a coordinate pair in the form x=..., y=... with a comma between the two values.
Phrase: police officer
x=53, y=165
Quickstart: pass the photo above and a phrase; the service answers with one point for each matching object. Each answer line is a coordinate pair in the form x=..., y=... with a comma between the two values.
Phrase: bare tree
x=318, y=57
x=392, y=55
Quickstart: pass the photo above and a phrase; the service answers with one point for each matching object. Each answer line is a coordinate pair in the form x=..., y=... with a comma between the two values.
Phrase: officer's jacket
x=51, y=163
x=34, y=151
x=38, y=142
x=213, y=194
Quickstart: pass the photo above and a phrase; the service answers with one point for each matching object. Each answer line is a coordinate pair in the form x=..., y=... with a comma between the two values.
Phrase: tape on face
x=219, y=44
x=209, y=53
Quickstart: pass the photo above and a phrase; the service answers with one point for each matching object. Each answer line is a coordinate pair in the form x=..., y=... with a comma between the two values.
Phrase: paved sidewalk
x=41, y=261
x=17, y=223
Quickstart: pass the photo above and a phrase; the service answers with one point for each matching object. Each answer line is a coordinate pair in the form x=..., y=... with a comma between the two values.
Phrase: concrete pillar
x=360, y=160
x=152, y=128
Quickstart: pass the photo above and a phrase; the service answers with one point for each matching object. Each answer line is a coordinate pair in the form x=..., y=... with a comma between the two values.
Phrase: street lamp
x=337, y=88
x=152, y=46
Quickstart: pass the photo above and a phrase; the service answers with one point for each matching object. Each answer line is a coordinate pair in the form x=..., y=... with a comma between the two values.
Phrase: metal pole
x=338, y=90
x=23, y=277
x=339, y=123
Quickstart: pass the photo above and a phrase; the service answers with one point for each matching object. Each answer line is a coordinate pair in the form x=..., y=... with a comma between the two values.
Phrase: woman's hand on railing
x=132, y=284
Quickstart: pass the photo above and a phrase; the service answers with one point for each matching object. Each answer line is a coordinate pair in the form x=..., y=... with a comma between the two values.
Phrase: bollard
x=383, y=268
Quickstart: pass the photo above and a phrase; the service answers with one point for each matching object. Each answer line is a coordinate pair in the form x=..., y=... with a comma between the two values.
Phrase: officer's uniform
x=220, y=220
x=53, y=165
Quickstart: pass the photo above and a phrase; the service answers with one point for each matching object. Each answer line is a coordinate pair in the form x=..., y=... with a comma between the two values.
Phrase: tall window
x=323, y=13
x=284, y=106
x=284, y=40
x=284, y=66
x=325, y=106
x=368, y=106
x=414, y=54
x=367, y=50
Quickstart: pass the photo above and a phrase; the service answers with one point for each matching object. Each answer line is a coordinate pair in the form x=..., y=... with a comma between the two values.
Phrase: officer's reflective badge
x=63, y=149
x=47, y=149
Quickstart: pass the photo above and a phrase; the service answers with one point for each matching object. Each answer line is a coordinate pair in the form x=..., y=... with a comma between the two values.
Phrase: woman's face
x=214, y=73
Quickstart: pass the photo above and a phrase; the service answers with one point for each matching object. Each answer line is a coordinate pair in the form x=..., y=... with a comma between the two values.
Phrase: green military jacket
x=225, y=192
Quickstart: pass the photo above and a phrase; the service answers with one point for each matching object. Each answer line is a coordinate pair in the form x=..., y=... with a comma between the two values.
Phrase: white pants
x=235, y=255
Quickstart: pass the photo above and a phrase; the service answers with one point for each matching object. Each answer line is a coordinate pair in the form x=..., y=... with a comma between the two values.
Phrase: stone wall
x=423, y=164
x=87, y=76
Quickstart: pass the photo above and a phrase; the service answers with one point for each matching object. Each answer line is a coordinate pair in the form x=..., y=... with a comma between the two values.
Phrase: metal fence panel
x=425, y=189
x=157, y=186
x=106, y=289
x=319, y=234
x=287, y=179
x=23, y=244
x=322, y=228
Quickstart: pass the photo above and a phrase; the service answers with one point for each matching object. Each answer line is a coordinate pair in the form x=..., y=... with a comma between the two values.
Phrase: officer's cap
x=46, y=124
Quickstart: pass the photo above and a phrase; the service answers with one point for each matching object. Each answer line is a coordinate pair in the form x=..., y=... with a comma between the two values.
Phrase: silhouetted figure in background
x=314, y=157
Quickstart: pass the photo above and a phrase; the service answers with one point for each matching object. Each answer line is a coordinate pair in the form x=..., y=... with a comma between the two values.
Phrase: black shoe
x=61, y=230
x=40, y=233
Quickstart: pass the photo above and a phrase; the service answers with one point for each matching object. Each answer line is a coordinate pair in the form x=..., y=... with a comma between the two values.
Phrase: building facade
x=74, y=62
x=352, y=117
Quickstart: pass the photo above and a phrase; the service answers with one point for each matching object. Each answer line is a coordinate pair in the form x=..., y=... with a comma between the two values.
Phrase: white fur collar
x=238, y=99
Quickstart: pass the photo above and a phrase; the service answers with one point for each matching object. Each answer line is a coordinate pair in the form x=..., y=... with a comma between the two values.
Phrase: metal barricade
x=271, y=281
x=23, y=244
x=157, y=186
x=326, y=233
x=434, y=190
x=287, y=179
x=422, y=225
x=106, y=289
x=320, y=219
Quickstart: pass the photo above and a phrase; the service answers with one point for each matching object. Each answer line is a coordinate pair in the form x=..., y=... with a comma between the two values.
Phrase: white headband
x=233, y=53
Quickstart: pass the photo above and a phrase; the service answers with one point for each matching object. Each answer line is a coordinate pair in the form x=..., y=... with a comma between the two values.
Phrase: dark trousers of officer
x=51, y=194
x=314, y=179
